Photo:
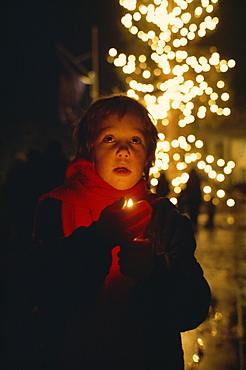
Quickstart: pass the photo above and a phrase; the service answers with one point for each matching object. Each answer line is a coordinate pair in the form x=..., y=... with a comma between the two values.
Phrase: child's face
x=119, y=151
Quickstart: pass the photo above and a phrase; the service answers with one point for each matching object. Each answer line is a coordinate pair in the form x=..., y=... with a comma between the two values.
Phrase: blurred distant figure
x=21, y=191
x=55, y=163
x=211, y=209
x=163, y=185
x=191, y=197
x=30, y=177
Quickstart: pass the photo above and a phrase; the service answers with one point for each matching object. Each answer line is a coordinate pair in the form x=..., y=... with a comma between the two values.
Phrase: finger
x=137, y=249
x=140, y=208
x=117, y=205
x=135, y=229
x=133, y=270
x=129, y=257
x=136, y=219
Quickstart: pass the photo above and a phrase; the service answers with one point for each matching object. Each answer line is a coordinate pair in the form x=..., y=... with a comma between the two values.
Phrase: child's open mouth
x=122, y=170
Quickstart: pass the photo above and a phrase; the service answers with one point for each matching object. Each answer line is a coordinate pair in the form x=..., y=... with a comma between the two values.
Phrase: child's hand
x=122, y=224
x=137, y=259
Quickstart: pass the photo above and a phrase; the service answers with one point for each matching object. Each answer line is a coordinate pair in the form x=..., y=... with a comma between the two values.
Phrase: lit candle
x=128, y=203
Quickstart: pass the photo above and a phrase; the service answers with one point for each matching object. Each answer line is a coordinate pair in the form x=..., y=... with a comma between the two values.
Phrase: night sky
x=30, y=30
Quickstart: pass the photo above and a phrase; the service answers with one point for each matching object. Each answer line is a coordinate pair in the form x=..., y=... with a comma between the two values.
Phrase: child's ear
x=90, y=152
x=80, y=152
x=89, y=148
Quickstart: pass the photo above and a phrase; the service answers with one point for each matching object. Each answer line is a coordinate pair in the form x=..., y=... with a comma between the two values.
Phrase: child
x=115, y=284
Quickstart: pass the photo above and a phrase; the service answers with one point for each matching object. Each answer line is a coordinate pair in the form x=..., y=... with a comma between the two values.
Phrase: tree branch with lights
x=182, y=85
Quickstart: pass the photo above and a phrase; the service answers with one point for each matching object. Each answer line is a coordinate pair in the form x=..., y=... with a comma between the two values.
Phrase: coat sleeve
x=177, y=289
x=66, y=271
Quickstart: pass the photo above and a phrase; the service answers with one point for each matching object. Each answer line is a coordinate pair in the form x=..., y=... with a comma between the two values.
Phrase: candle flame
x=128, y=203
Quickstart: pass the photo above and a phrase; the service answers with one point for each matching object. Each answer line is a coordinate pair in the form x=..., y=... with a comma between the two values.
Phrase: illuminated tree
x=180, y=82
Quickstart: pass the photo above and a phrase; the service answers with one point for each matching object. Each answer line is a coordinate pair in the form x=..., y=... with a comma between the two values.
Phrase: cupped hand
x=122, y=224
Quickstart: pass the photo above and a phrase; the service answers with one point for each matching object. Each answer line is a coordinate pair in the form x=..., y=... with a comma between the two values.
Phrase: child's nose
x=123, y=151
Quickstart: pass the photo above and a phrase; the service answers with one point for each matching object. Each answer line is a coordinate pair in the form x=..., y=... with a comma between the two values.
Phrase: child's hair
x=86, y=131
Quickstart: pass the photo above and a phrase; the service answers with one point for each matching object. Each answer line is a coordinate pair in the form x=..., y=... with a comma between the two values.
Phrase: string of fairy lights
x=180, y=84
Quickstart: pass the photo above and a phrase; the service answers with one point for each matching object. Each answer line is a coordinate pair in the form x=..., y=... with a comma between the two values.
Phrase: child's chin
x=123, y=186
x=122, y=182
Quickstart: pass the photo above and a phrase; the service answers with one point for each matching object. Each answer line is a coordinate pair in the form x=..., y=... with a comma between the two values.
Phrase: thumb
x=118, y=204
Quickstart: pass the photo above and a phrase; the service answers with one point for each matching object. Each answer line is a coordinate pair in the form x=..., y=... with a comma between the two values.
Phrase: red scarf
x=85, y=194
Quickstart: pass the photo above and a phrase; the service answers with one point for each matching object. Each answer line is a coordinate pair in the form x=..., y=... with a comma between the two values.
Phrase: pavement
x=220, y=342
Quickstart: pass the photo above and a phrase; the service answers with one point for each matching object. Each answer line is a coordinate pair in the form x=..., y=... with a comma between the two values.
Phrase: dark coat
x=68, y=272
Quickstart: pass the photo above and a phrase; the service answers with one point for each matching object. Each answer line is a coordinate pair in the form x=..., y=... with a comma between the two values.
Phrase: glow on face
x=119, y=151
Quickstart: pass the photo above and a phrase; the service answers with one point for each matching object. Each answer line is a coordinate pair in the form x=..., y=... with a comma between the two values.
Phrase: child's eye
x=109, y=139
x=135, y=140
